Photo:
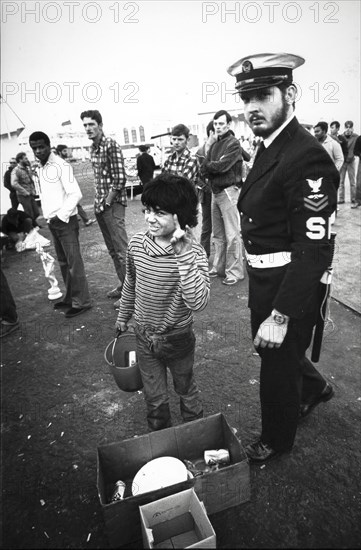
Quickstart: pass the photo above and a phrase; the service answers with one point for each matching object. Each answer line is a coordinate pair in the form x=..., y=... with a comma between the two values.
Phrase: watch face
x=279, y=319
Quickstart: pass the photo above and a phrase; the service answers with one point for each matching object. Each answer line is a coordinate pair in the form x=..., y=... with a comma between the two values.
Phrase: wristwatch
x=279, y=318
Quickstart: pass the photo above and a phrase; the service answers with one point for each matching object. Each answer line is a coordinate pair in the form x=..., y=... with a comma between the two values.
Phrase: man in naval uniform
x=286, y=206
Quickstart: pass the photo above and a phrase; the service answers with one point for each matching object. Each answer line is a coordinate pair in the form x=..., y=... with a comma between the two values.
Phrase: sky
x=163, y=62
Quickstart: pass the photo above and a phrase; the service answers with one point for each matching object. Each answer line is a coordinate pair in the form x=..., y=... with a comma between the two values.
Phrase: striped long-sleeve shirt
x=161, y=288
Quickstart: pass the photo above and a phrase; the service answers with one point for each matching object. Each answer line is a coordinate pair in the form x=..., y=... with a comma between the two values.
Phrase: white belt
x=273, y=259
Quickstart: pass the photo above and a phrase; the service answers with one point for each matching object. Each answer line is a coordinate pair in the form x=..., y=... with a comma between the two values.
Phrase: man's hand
x=270, y=334
x=181, y=240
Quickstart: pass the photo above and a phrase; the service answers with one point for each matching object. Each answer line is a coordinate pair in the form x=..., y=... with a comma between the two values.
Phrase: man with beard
x=286, y=204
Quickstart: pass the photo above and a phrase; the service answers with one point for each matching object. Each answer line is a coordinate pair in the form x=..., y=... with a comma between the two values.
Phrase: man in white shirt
x=333, y=148
x=60, y=194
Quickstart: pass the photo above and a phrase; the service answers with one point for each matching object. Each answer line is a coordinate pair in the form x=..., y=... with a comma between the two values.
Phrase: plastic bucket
x=127, y=378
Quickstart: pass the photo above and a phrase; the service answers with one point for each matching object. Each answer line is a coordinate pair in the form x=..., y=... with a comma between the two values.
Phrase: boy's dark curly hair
x=173, y=194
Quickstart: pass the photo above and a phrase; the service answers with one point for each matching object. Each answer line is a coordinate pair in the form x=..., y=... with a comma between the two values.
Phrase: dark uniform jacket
x=285, y=205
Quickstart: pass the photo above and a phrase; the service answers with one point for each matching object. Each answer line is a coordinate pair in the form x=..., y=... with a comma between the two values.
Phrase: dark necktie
x=260, y=150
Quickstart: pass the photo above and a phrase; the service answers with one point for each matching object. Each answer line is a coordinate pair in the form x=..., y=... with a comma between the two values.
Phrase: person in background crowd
x=357, y=153
x=205, y=191
x=9, y=316
x=60, y=194
x=16, y=225
x=110, y=193
x=181, y=161
x=334, y=132
x=7, y=184
x=286, y=206
x=23, y=183
x=331, y=145
x=62, y=151
x=223, y=168
x=145, y=165
x=349, y=164
x=167, y=279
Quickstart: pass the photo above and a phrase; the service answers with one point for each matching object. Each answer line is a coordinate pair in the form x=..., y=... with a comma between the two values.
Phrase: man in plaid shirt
x=110, y=194
x=181, y=162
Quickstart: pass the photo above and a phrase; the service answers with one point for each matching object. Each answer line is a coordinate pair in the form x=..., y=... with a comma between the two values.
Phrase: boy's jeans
x=155, y=353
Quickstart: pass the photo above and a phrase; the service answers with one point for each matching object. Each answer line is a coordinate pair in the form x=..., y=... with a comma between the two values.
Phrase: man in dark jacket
x=287, y=204
x=145, y=165
x=223, y=168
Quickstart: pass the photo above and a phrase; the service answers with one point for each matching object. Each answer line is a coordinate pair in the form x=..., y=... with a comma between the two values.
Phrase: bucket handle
x=118, y=333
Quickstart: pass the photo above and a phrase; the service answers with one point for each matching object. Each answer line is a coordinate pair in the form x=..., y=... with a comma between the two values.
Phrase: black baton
x=323, y=297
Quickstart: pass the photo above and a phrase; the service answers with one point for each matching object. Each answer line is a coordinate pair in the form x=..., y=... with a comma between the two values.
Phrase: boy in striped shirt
x=166, y=280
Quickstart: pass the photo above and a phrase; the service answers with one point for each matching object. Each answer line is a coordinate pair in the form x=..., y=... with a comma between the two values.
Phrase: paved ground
x=59, y=402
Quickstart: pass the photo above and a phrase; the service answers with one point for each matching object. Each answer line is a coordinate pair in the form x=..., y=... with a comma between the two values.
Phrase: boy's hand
x=181, y=240
x=121, y=326
x=212, y=138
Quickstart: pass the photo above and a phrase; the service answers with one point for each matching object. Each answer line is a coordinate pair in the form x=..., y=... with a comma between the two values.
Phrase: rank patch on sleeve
x=315, y=201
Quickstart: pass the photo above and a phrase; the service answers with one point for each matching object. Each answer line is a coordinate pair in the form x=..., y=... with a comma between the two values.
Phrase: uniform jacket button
x=250, y=220
x=249, y=242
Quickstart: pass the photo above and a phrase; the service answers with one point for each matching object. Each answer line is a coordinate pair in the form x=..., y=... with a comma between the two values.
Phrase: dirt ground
x=59, y=402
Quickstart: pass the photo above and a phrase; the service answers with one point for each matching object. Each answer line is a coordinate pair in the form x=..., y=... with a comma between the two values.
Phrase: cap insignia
x=247, y=66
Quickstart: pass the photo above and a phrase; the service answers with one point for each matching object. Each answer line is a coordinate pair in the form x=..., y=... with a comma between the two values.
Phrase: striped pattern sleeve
x=162, y=289
x=193, y=271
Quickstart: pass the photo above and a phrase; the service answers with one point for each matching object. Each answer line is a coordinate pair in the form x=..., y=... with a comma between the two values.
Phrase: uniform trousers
x=67, y=248
x=112, y=225
x=287, y=379
x=174, y=351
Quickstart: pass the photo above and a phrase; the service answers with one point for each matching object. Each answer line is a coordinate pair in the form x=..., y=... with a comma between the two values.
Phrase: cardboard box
x=177, y=521
x=227, y=487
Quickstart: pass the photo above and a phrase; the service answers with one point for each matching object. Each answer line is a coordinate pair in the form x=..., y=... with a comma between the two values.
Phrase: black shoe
x=340, y=202
x=74, y=311
x=260, y=452
x=115, y=293
x=61, y=305
x=327, y=393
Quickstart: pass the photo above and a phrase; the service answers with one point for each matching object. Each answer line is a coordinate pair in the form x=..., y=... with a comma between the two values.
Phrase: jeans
x=175, y=351
x=348, y=167
x=67, y=248
x=226, y=234
x=112, y=225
